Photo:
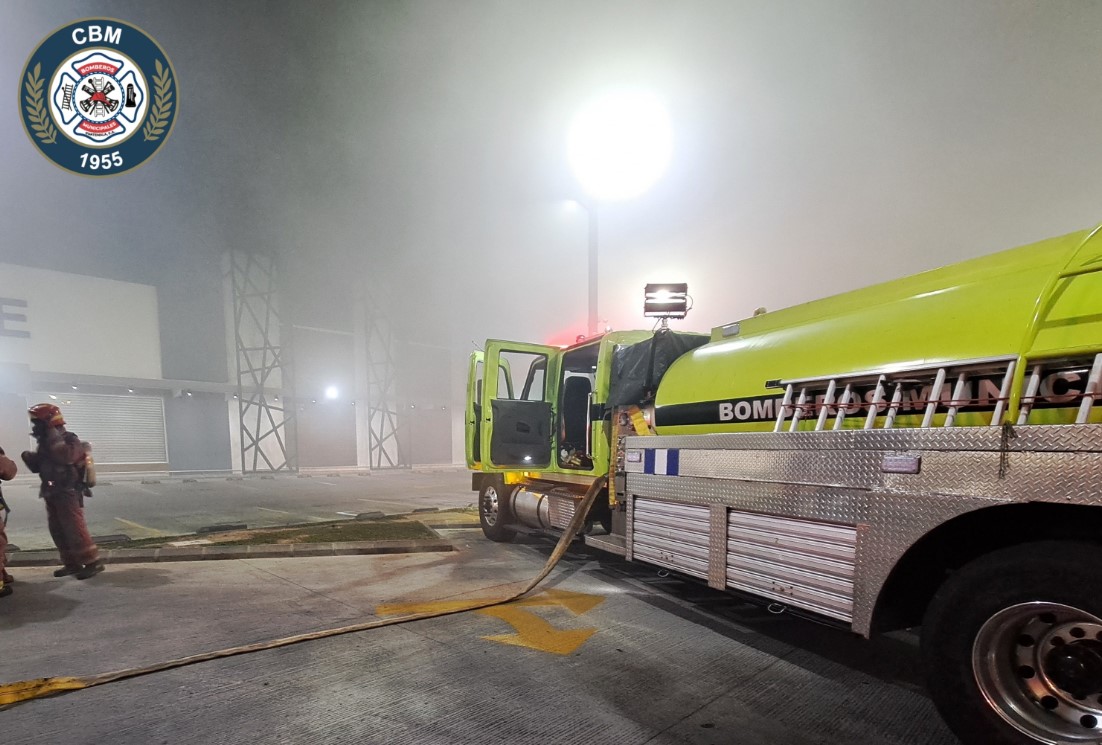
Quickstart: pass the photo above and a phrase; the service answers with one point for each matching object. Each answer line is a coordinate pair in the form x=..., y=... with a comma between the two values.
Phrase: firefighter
x=7, y=473
x=58, y=460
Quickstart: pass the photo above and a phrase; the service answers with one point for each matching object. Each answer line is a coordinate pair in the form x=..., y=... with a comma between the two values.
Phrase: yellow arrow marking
x=535, y=633
x=532, y=631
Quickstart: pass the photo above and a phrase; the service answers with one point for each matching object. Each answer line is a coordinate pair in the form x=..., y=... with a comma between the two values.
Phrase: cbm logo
x=98, y=97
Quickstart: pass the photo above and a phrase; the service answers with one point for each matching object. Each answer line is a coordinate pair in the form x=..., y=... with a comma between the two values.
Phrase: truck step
x=612, y=543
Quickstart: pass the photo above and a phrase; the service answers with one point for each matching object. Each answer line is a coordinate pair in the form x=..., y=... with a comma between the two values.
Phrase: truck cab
x=539, y=419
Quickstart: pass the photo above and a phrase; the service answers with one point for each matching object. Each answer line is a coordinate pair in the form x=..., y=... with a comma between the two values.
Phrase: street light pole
x=612, y=167
x=591, y=211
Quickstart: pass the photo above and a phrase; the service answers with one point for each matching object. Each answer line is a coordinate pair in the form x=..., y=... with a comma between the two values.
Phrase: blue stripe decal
x=648, y=461
x=673, y=458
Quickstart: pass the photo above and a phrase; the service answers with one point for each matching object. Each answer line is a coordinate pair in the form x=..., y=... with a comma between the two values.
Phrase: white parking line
x=268, y=509
x=327, y=483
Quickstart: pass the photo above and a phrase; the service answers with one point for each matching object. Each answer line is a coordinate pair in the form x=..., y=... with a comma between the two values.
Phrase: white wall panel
x=61, y=322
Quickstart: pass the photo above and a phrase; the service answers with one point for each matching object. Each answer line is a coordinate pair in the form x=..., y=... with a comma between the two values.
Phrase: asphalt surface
x=151, y=506
x=607, y=652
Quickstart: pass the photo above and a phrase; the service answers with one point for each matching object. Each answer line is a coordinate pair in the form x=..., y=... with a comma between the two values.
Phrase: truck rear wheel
x=494, y=514
x=1012, y=646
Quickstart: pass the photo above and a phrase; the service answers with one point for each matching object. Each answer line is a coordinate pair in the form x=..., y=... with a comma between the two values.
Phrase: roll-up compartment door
x=123, y=430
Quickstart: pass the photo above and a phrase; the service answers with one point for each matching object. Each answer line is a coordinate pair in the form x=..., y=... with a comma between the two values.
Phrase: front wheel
x=1012, y=647
x=493, y=511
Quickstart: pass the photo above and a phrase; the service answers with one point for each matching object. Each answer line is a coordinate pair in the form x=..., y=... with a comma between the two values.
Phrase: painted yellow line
x=576, y=602
x=436, y=606
x=138, y=526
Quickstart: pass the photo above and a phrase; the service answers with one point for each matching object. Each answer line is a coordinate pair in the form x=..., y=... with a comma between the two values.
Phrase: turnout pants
x=65, y=517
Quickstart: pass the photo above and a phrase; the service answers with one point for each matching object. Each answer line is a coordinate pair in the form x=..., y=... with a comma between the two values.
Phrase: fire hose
x=26, y=690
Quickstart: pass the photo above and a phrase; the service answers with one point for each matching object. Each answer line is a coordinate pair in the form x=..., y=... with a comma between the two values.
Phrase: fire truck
x=923, y=452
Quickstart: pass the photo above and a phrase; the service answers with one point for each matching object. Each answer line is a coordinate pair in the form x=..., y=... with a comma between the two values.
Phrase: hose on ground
x=27, y=690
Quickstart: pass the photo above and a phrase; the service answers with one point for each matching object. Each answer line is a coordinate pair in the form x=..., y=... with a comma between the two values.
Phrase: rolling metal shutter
x=121, y=429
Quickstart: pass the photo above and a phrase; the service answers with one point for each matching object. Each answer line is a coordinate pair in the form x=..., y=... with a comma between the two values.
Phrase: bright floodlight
x=620, y=145
x=331, y=392
x=666, y=300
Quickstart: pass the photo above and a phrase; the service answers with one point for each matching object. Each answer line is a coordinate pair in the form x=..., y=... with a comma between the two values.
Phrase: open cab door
x=472, y=422
x=517, y=415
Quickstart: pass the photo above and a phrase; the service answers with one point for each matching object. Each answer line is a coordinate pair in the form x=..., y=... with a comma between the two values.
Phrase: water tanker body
x=922, y=452
x=1029, y=303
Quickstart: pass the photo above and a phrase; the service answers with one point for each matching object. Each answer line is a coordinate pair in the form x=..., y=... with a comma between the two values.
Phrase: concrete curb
x=218, y=553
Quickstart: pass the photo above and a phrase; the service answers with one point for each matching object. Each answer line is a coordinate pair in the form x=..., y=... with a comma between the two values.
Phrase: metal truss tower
x=385, y=447
x=264, y=366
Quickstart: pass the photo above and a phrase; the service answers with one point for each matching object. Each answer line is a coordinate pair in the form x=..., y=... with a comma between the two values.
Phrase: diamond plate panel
x=561, y=510
x=1054, y=438
x=857, y=469
x=837, y=477
x=1066, y=478
x=717, y=547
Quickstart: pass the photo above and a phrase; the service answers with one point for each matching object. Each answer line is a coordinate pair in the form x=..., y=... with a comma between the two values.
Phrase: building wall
x=326, y=428
x=58, y=329
x=198, y=435
x=424, y=391
x=61, y=322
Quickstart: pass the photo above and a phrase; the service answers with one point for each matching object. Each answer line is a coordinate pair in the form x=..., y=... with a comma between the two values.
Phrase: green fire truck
x=922, y=452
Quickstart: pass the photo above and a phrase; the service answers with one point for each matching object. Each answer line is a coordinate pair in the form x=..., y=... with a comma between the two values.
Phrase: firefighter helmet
x=47, y=414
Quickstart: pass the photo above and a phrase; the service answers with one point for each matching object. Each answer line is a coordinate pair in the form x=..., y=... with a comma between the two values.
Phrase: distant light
x=188, y=393
x=53, y=397
x=277, y=398
x=129, y=390
x=313, y=400
x=74, y=388
x=331, y=392
x=528, y=459
x=620, y=145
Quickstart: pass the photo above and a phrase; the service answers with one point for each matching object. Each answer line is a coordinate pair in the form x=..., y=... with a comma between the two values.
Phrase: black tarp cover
x=636, y=369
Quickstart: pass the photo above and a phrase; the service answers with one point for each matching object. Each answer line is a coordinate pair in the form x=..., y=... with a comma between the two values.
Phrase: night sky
x=418, y=149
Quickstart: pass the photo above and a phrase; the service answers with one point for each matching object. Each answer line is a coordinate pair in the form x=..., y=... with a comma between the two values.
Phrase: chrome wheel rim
x=489, y=506
x=1039, y=667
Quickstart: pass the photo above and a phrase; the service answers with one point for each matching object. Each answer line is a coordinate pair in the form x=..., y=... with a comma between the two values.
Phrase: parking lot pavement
x=147, y=506
x=603, y=652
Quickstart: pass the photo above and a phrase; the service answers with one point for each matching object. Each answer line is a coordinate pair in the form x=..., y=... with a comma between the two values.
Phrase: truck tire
x=494, y=514
x=1012, y=646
